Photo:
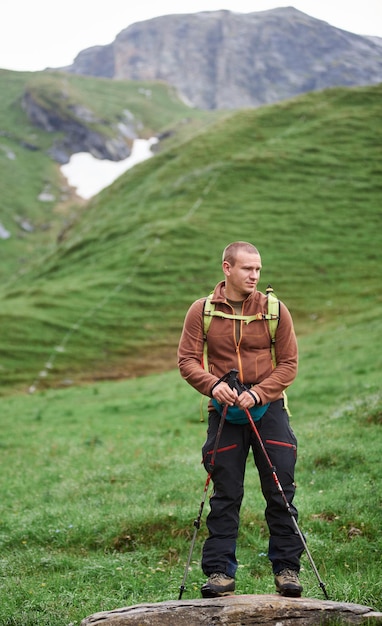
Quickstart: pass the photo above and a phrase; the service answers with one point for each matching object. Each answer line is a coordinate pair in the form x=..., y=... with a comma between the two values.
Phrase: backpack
x=272, y=316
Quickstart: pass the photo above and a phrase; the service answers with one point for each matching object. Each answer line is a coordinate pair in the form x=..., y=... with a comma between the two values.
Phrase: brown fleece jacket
x=251, y=356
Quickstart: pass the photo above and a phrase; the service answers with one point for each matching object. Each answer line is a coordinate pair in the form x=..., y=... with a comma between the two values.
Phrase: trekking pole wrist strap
x=214, y=386
x=253, y=396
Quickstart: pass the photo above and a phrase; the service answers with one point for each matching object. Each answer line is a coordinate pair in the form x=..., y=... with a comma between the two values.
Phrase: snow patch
x=4, y=233
x=89, y=175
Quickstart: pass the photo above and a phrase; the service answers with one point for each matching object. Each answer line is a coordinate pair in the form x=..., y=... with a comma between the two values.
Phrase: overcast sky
x=35, y=34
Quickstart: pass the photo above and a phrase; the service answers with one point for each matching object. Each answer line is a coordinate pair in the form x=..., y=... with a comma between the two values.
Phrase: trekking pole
x=281, y=491
x=198, y=519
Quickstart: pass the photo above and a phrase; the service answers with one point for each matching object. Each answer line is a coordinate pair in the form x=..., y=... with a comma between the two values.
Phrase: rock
x=244, y=610
x=77, y=124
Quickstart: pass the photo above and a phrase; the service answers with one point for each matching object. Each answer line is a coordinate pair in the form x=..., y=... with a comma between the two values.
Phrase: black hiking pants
x=285, y=546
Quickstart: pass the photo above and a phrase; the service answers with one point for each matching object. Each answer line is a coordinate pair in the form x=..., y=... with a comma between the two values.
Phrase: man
x=235, y=344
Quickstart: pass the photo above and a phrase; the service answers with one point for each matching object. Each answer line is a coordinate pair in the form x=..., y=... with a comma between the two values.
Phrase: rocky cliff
x=81, y=130
x=226, y=60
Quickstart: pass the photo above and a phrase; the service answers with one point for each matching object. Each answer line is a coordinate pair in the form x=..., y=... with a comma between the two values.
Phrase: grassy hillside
x=301, y=179
x=102, y=482
x=36, y=203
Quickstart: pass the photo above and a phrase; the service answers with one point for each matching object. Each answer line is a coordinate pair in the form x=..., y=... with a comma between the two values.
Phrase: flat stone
x=240, y=610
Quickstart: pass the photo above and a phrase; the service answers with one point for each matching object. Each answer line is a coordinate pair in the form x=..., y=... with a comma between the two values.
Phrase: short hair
x=230, y=251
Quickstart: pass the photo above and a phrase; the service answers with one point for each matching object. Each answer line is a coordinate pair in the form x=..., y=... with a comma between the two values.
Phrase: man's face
x=243, y=276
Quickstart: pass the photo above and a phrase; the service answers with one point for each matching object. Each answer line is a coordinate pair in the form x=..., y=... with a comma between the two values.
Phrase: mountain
x=227, y=60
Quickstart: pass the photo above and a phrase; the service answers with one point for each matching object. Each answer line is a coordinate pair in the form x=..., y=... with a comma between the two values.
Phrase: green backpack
x=272, y=316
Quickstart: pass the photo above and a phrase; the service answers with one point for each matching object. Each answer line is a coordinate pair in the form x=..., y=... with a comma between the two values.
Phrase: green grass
x=101, y=484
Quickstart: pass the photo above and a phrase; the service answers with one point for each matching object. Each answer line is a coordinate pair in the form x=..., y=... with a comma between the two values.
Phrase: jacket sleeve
x=190, y=351
x=270, y=388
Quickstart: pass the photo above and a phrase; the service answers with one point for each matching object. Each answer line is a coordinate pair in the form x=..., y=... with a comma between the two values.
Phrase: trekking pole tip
x=322, y=585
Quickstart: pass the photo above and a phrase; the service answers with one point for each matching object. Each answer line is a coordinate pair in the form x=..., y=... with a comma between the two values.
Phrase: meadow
x=100, y=467
x=101, y=484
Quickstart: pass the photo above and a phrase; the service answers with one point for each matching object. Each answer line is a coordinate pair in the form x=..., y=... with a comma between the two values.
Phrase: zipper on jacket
x=239, y=362
x=237, y=341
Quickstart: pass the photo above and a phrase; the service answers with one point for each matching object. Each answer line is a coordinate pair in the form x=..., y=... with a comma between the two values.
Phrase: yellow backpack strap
x=273, y=320
x=208, y=312
x=233, y=316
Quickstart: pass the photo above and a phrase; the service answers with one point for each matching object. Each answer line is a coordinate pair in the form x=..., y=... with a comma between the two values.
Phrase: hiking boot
x=288, y=584
x=218, y=585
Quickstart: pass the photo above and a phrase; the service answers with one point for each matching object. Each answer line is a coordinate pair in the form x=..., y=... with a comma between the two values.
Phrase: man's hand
x=247, y=400
x=223, y=393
